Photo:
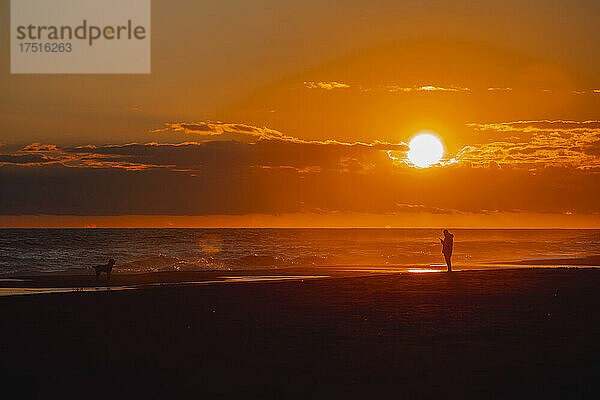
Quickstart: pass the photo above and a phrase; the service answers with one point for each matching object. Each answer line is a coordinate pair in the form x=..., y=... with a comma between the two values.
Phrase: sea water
x=33, y=251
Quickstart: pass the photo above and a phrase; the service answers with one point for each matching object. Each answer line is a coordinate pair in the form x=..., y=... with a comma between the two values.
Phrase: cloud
x=326, y=85
x=77, y=157
x=199, y=178
x=235, y=130
x=539, y=126
x=537, y=144
x=331, y=85
x=25, y=159
x=426, y=88
x=267, y=172
x=249, y=133
x=223, y=145
x=198, y=127
x=212, y=185
x=588, y=91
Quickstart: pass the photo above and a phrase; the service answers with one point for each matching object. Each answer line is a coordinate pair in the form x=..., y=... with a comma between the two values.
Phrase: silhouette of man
x=447, y=243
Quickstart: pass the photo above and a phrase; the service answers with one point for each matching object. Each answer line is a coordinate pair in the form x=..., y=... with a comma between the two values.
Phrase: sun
x=425, y=150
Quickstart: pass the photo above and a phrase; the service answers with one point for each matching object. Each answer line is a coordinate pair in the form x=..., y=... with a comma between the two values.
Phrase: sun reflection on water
x=423, y=270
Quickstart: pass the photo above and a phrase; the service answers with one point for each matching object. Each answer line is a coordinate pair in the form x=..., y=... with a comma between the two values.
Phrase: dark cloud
x=275, y=173
x=234, y=155
x=25, y=159
x=219, y=188
x=592, y=148
x=196, y=127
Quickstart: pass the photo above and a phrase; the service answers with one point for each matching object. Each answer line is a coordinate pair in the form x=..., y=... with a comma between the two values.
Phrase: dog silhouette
x=107, y=268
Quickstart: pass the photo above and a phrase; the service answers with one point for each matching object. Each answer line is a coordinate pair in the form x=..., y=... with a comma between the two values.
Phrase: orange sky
x=298, y=114
x=309, y=220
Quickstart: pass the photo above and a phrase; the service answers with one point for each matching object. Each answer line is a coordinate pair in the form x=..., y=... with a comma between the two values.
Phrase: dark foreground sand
x=474, y=334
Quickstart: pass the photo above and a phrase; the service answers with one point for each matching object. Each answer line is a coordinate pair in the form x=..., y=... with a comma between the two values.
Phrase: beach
x=510, y=333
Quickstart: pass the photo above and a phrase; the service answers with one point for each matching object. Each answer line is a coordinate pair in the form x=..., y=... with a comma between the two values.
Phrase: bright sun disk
x=425, y=150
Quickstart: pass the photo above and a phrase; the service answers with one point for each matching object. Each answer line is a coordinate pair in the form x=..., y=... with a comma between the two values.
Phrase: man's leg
x=448, y=262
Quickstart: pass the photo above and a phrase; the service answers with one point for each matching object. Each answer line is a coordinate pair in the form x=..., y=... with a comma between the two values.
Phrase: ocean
x=47, y=251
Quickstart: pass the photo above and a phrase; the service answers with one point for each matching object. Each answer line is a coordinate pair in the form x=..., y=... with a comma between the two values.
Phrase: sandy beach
x=514, y=333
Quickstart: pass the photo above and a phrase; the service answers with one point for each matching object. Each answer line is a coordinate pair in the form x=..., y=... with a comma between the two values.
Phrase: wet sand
x=514, y=333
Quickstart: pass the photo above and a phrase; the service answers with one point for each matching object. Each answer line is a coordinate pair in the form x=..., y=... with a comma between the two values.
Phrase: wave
x=163, y=262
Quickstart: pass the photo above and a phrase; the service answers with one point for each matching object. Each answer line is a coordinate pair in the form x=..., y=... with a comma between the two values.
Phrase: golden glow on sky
x=304, y=115
x=425, y=150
